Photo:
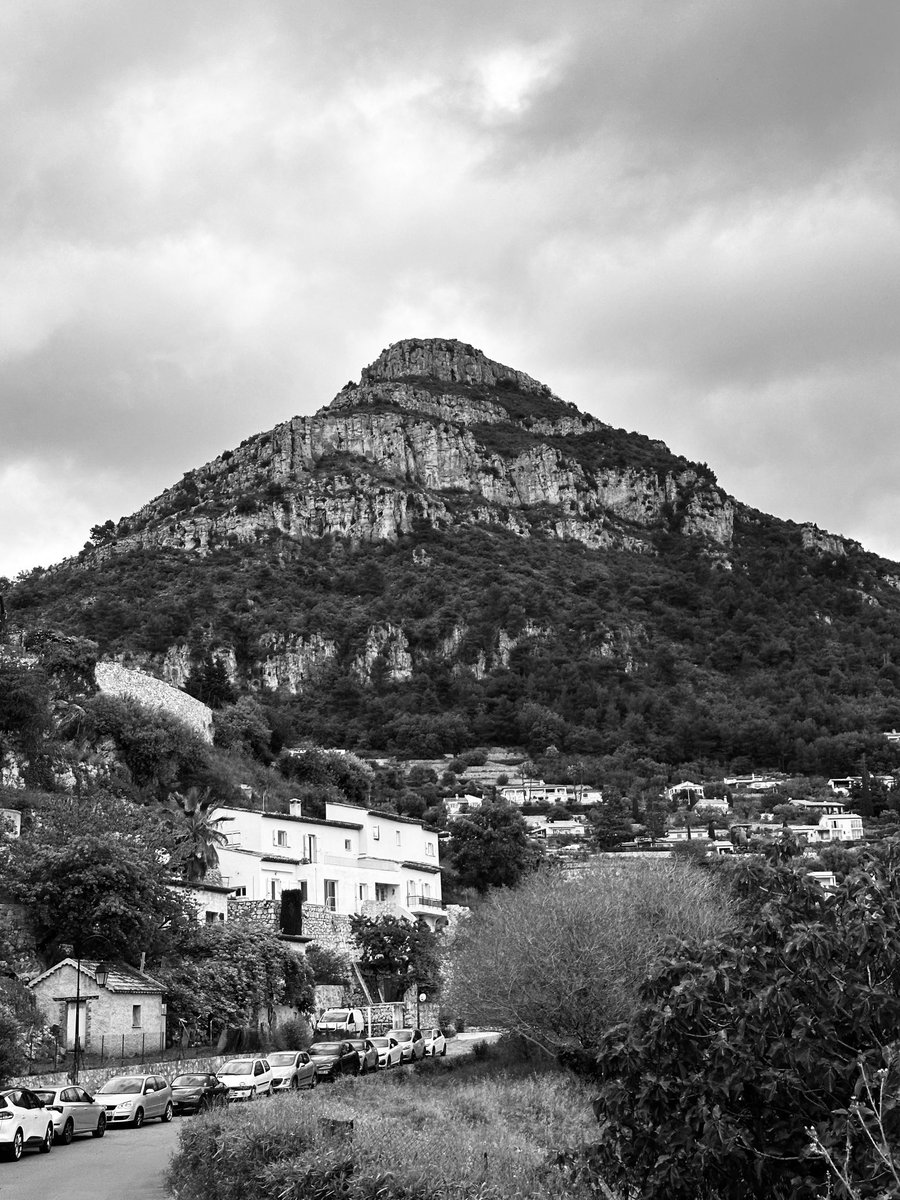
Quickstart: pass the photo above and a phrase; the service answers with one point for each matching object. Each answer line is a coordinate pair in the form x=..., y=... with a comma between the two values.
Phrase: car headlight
x=123, y=1104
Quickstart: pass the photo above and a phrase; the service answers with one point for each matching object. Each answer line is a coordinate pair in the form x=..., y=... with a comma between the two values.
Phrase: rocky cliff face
x=436, y=432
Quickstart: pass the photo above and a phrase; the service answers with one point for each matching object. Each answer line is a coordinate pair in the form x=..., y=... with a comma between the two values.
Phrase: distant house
x=458, y=804
x=535, y=791
x=126, y=1015
x=541, y=827
x=209, y=899
x=754, y=783
x=685, y=793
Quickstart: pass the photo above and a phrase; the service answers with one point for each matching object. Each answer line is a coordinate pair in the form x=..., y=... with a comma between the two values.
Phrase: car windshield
x=189, y=1081
x=47, y=1097
x=325, y=1048
x=237, y=1066
x=381, y=1043
x=284, y=1059
x=403, y=1035
x=125, y=1085
x=336, y=1014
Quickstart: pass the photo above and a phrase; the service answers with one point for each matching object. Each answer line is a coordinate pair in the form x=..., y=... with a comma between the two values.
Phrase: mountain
x=448, y=554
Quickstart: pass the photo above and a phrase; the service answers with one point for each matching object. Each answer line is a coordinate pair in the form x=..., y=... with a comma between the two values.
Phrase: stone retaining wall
x=116, y=680
x=93, y=1077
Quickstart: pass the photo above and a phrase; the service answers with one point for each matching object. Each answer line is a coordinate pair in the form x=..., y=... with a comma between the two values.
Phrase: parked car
x=135, y=1099
x=368, y=1054
x=412, y=1044
x=74, y=1111
x=24, y=1121
x=246, y=1078
x=435, y=1042
x=197, y=1092
x=389, y=1052
x=340, y=1022
x=292, y=1069
x=334, y=1058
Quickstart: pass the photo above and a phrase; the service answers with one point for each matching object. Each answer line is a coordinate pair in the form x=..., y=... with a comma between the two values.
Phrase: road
x=126, y=1163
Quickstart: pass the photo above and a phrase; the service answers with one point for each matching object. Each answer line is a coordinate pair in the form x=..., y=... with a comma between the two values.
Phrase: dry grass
x=433, y=1134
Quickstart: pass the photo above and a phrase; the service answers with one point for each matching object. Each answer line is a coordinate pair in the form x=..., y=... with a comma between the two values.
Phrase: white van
x=342, y=1022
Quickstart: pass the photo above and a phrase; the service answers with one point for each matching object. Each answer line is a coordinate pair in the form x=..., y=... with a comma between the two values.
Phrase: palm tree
x=196, y=834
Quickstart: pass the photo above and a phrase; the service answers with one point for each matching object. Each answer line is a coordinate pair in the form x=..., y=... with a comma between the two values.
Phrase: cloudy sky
x=682, y=215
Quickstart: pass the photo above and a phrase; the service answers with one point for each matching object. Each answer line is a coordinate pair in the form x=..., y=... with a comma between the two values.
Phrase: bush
x=327, y=966
x=433, y=1135
x=293, y=1034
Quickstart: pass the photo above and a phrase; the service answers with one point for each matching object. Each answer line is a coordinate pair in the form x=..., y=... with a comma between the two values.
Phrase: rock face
x=116, y=680
x=437, y=432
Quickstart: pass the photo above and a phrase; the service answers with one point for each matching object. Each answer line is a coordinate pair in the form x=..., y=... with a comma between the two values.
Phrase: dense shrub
x=440, y=1134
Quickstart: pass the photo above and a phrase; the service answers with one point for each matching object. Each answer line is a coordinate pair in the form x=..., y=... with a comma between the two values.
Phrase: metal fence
x=44, y=1053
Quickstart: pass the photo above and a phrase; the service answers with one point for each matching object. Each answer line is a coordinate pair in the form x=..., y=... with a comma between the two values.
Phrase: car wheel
x=444, y=1050
x=253, y=1093
x=14, y=1150
x=101, y=1127
x=168, y=1114
x=204, y=1105
x=68, y=1132
x=294, y=1084
x=138, y=1118
x=47, y=1140
x=314, y=1082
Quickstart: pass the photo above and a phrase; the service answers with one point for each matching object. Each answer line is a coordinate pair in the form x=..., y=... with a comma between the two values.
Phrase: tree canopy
x=490, y=848
x=740, y=1046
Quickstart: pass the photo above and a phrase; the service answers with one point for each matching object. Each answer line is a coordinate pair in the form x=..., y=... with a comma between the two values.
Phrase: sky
x=681, y=215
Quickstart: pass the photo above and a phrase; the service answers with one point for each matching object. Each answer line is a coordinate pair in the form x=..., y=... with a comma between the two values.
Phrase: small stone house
x=124, y=1016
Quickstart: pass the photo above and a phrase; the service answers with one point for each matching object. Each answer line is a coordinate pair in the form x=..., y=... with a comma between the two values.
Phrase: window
x=383, y=891
x=280, y=838
x=410, y=893
x=363, y=890
x=398, y=837
x=304, y=893
x=135, y=1016
x=331, y=895
x=376, y=833
x=348, y=845
x=429, y=849
x=274, y=889
x=309, y=847
x=240, y=893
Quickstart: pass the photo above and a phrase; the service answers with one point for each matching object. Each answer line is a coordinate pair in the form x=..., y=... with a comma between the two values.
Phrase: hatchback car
x=368, y=1054
x=333, y=1059
x=435, y=1042
x=389, y=1052
x=134, y=1099
x=24, y=1121
x=246, y=1078
x=197, y=1092
x=74, y=1111
x=412, y=1044
x=292, y=1069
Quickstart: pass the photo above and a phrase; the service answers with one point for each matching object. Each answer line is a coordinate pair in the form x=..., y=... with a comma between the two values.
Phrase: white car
x=412, y=1044
x=435, y=1042
x=246, y=1078
x=134, y=1099
x=24, y=1121
x=292, y=1069
x=389, y=1052
x=74, y=1111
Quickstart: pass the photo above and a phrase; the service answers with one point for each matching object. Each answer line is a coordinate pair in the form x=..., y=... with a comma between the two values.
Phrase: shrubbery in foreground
x=443, y=1132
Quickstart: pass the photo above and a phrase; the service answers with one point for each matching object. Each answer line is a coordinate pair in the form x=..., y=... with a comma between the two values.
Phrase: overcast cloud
x=682, y=215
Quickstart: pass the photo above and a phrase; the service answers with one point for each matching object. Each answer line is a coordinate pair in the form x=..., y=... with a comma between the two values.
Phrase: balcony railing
x=423, y=902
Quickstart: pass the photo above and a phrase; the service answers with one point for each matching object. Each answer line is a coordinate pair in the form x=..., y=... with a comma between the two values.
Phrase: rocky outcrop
x=289, y=663
x=828, y=544
x=116, y=680
x=412, y=443
x=386, y=644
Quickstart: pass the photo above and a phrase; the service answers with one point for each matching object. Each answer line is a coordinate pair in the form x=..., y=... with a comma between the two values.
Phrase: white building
x=353, y=861
x=457, y=804
x=535, y=791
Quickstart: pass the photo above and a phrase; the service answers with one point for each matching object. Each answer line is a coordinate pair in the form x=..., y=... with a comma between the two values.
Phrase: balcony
x=431, y=903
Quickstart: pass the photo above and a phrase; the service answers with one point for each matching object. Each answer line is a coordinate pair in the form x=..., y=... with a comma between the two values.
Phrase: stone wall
x=93, y=1077
x=116, y=680
x=264, y=913
x=329, y=930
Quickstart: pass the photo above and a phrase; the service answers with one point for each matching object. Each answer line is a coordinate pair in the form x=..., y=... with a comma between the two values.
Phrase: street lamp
x=420, y=1000
x=102, y=974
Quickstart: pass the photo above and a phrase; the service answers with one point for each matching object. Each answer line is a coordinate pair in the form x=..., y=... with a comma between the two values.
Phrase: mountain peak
x=445, y=360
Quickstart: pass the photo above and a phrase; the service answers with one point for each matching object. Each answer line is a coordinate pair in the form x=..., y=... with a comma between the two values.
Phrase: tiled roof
x=121, y=978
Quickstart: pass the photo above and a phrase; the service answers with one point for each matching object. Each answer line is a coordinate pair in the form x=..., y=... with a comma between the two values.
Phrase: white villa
x=535, y=791
x=351, y=862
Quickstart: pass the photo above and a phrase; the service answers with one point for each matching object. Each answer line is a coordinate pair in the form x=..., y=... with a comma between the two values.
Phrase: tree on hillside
x=609, y=823
x=394, y=946
x=490, y=848
x=740, y=1046
x=561, y=957
x=91, y=872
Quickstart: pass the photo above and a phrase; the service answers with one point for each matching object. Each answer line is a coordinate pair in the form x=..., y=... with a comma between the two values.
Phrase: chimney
x=295, y=808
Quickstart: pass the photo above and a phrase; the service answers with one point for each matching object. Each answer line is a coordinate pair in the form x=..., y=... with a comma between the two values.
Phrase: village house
x=535, y=791
x=121, y=1010
x=355, y=860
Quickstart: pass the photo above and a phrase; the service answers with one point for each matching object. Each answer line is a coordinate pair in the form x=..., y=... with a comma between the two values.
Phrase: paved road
x=127, y=1164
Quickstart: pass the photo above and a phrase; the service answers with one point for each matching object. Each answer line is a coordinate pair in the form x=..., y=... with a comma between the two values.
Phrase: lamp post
x=420, y=1000
x=102, y=974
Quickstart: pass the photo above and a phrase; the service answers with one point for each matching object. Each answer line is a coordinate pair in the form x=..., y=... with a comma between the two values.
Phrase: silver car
x=134, y=1099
